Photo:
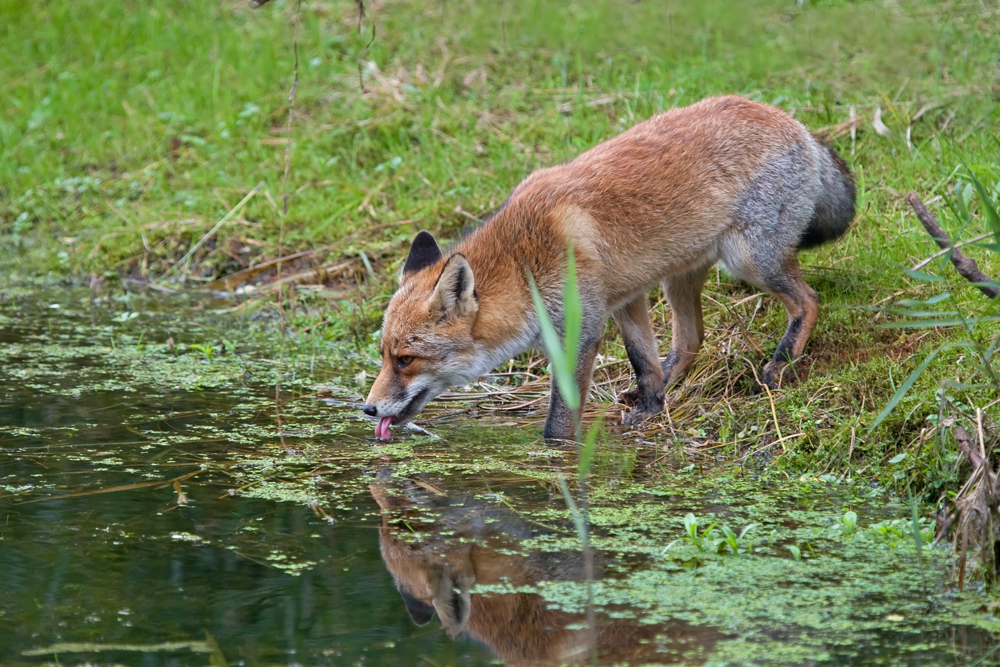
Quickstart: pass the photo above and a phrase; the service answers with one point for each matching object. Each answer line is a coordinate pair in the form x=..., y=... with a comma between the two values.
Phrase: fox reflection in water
x=439, y=546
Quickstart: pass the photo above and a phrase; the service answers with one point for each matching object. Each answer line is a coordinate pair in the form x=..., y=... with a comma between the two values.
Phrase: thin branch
x=965, y=266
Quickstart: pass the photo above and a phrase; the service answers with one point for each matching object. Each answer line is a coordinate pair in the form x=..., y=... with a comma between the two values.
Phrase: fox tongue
x=382, y=428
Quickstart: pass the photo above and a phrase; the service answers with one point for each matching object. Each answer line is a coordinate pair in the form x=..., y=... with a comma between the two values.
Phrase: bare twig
x=235, y=279
x=965, y=266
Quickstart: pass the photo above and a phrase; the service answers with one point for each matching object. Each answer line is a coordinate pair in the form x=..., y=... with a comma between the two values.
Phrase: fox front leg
x=646, y=400
x=559, y=424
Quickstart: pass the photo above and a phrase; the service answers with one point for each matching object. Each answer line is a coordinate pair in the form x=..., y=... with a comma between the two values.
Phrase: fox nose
x=370, y=410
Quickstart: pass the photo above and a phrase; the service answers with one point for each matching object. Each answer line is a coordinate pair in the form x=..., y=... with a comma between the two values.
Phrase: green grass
x=128, y=130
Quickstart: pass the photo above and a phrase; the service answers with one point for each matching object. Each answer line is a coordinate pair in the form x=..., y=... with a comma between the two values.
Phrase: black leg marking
x=636, y=359
x=647, y=398
x=559, y=422
x=786, y=348
x=668, y=364
x=784, y=355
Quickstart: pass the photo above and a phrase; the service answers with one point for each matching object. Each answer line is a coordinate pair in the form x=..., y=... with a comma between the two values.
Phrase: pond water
x=168, y=504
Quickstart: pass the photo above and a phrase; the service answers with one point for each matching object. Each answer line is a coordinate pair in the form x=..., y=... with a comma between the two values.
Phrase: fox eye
x=404, y=361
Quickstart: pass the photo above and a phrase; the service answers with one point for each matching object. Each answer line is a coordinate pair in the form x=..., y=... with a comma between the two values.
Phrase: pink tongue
x=382, y=428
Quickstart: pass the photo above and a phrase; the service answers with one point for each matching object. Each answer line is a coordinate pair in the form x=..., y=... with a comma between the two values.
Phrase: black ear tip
x=424, y=252
x=420, y=612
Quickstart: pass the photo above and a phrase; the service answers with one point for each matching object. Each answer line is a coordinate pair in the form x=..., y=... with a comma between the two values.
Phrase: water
x=158, y=506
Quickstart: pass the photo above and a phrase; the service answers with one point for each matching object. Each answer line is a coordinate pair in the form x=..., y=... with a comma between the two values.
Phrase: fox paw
x=776, y=373
x=629, y=398
x=637, y=416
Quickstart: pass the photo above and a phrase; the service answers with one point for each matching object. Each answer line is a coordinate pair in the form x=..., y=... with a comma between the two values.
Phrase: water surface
x=225, y=504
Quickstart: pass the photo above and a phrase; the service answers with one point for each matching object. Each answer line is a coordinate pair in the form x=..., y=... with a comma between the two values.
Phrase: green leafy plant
x=699, y=539
x=849, y=522
x=981, y=334
x=734, y=543
x=892, y=530
x=901, y=531
x=206, y=349
x=714, y=537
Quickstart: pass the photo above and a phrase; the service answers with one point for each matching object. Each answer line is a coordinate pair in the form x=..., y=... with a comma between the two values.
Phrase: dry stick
x=235, y=279
x=979, y=427
x=160, y=484
x=962, y=560
x=966, y=267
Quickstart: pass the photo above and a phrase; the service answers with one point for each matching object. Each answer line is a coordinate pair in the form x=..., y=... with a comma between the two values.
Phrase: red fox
x=723, y=180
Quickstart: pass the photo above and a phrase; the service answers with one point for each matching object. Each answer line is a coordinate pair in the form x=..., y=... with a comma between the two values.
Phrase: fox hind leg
x=646, y=399
x=777, y=271
x=771, y=220
x=683, y=293
x=802, y=304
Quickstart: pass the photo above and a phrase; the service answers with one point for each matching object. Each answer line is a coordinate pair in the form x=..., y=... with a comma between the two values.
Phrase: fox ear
x=424, y=252
x=453, y=603
x=455, y=292
x=420, y=612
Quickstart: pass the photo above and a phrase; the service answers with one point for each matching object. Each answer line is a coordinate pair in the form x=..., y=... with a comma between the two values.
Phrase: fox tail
x=834, y=210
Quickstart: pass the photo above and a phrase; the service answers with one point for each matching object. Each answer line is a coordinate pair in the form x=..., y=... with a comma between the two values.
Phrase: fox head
x=427, y=342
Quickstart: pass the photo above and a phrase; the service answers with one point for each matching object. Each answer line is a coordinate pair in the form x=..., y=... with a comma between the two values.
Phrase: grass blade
x=905, y=387
x=915, y=525
x=937, y=298
x=572, y=311
x=923, y=277
x=930, y=324
x=563, y=373
x=987, y=203
x=589, y=446
x=185, y=261
x=574, y=510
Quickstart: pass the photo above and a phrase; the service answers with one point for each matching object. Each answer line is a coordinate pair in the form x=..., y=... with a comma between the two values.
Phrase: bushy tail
x=834, y=210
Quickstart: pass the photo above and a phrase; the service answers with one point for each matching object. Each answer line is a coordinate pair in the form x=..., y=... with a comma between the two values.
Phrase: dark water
x=160, y=506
